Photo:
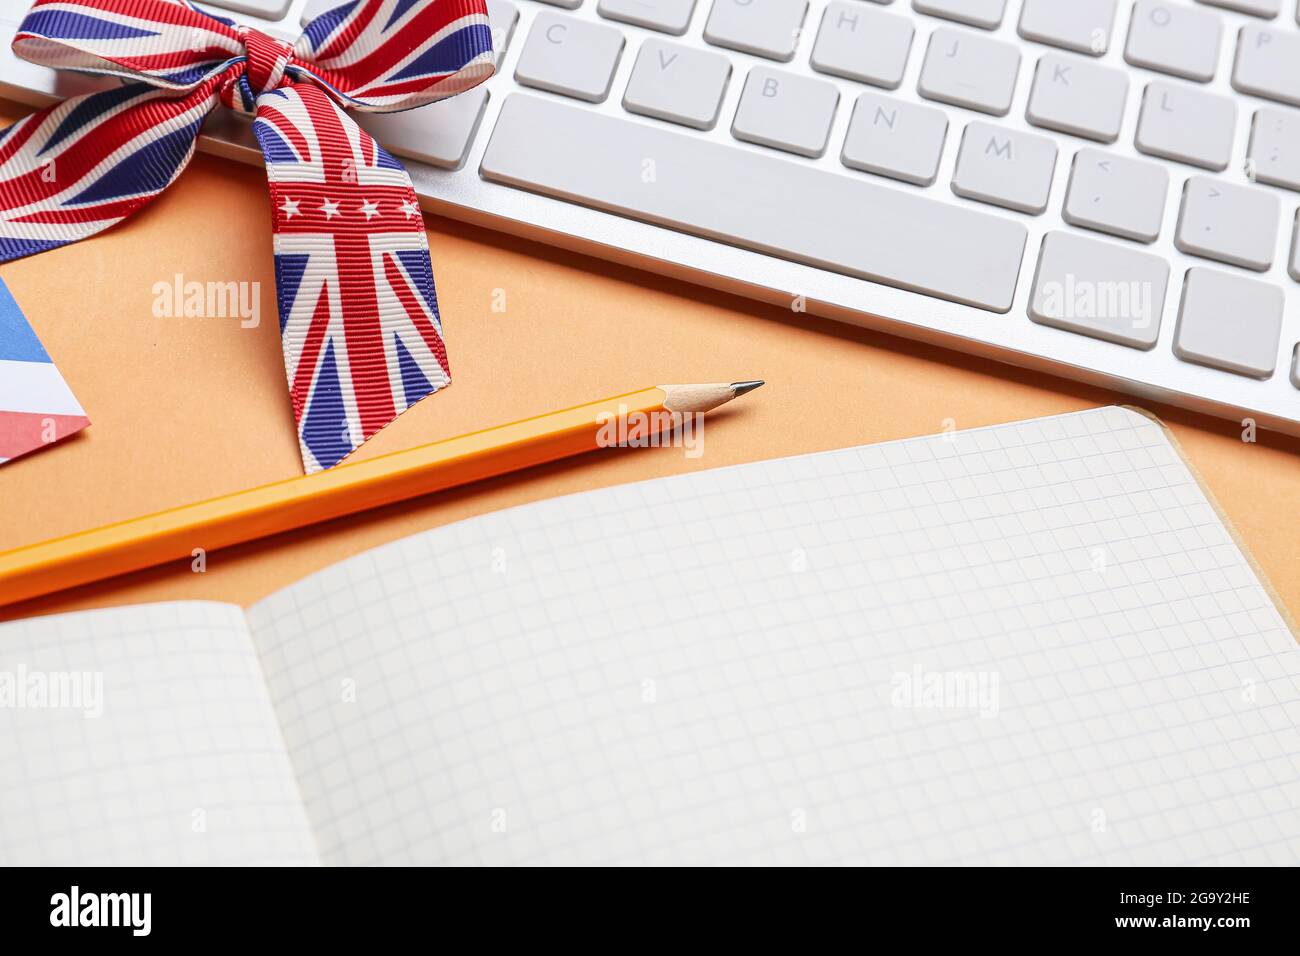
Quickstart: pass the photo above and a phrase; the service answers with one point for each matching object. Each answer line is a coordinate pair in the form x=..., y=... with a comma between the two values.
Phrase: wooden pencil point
x=695, y=399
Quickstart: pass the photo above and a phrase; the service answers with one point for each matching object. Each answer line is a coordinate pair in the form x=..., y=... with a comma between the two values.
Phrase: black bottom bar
x=1221, y=907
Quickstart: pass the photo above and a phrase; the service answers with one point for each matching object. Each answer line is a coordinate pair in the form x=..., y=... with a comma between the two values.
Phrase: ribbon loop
x=164, y=43
x=359, y=320
x=267, y=59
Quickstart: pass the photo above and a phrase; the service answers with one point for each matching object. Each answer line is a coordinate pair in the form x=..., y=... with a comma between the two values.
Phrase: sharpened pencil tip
x=703, y=397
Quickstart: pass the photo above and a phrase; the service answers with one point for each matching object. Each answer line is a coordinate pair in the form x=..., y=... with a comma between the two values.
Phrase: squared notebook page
x=175, y=758
x=1032, y=643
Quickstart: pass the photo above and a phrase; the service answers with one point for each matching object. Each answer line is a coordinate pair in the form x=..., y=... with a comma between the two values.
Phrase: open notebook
x=1030, y=643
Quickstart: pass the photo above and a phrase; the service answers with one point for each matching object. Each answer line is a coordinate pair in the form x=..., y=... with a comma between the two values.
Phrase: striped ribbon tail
x=358, y=314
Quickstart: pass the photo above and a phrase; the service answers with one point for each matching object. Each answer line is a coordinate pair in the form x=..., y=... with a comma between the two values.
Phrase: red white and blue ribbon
x=358, y=314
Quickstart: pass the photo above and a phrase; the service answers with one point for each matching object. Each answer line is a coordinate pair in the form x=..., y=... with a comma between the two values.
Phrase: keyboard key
x=1005, y=167
x=1181, y=123
x=667, y=16
x=570, y=56
x=1268, y=64
x=1119, y=196
x=1259, y=8
x=896, y=139
x=267, y=9
x=978, y=13
x=757, y=201
x=1080, y=25
x=1078, y=97
x=1099, y=289
x=566, y=4
x=439, y=133
x=1179, y=40
x=502, y=17
x=677, y=83
x=1229, y=322
x=863, y=44
x=785, y=111
x=969, y=70
x=315, y=8
x=1294, y=268
x=1275, y=148
x=767, y=28
x=1232, y=224
x=1295, y=353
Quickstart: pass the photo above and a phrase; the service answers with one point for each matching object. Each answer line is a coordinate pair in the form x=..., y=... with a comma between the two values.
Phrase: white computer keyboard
x=1100, y=188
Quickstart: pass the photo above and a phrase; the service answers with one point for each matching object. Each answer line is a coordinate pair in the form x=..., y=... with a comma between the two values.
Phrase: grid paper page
x=175, y=759
x=1031, y=643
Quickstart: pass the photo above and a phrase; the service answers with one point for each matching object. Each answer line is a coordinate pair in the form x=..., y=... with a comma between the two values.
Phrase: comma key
x=1114, y=194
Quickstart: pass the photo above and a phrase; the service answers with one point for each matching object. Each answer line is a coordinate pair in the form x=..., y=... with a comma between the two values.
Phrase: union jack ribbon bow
x=359, y=319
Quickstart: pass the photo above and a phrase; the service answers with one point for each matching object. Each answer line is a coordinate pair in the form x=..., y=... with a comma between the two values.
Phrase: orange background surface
x=184, y=409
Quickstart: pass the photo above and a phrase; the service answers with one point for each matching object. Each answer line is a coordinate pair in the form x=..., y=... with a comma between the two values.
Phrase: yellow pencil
x=258, y=512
